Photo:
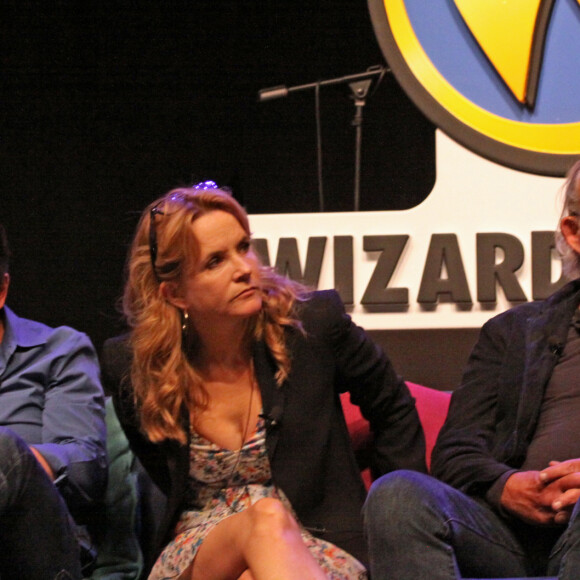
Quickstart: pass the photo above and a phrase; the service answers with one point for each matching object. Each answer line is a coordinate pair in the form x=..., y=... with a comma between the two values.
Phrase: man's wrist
x=43, y=462
x=495, y=492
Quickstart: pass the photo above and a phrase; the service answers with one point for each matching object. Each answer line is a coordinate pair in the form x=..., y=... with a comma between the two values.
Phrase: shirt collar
x=22, y=332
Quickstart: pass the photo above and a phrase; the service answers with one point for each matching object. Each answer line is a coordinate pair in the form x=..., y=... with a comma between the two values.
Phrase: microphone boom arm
x=282, y=91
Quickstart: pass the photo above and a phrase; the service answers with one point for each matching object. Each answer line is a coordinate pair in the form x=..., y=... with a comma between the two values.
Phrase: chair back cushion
x=432, y=406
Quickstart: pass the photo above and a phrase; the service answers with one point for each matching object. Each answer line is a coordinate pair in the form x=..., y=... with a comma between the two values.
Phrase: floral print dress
x=224, y=482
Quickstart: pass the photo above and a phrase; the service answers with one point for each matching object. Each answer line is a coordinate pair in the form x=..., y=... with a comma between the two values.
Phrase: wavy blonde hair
x=164, y=379
x=570, y=206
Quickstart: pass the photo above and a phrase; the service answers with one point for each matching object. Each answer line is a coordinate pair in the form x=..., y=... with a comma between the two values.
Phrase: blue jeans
x=37, y=539
x=422, y=529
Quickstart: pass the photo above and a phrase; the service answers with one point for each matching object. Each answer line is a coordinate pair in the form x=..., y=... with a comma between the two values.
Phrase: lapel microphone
x=555, y=345
x=272, y=419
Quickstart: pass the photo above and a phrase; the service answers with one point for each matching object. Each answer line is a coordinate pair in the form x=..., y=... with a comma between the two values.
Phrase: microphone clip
x=272, y=419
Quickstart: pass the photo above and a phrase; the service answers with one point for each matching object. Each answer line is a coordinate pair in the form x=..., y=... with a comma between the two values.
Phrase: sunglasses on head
x=157, y=209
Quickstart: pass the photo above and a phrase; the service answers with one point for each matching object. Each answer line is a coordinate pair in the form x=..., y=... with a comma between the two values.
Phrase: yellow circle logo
x=500, y=77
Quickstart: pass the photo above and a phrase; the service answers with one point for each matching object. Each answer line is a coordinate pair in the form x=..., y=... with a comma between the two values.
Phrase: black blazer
x=307, y=438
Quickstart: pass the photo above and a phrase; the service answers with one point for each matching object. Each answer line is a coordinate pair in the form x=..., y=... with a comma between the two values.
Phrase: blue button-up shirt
x=51, y=396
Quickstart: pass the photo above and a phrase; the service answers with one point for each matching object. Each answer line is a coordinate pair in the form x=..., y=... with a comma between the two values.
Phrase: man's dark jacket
x=493, y=414
x=307, y=439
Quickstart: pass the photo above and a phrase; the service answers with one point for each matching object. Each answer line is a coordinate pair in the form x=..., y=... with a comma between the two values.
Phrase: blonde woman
x=232, y=401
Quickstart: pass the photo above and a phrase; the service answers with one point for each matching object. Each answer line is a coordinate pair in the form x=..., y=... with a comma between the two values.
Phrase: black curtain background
x=105, y=106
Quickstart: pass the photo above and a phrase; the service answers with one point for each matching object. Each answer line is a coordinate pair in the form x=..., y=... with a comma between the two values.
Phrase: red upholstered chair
x=432, y=406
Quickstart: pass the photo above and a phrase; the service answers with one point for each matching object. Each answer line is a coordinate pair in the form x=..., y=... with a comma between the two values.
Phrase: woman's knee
x=269, y=519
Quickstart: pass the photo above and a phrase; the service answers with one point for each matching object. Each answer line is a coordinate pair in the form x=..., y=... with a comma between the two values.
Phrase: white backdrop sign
x=477, y=244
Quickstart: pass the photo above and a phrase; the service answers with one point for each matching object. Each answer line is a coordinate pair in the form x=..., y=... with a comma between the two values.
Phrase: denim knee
x=396, y=494
x=16, y=459
x=10, y=443
x=13, y=451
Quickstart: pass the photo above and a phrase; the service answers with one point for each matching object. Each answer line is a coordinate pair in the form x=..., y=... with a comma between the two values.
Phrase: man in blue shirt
x=52, y=443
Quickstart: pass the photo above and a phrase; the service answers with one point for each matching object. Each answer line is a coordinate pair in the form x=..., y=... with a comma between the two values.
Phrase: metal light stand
x=360, y=90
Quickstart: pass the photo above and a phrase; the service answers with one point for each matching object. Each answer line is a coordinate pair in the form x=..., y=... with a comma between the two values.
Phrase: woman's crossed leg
x=261, y=543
